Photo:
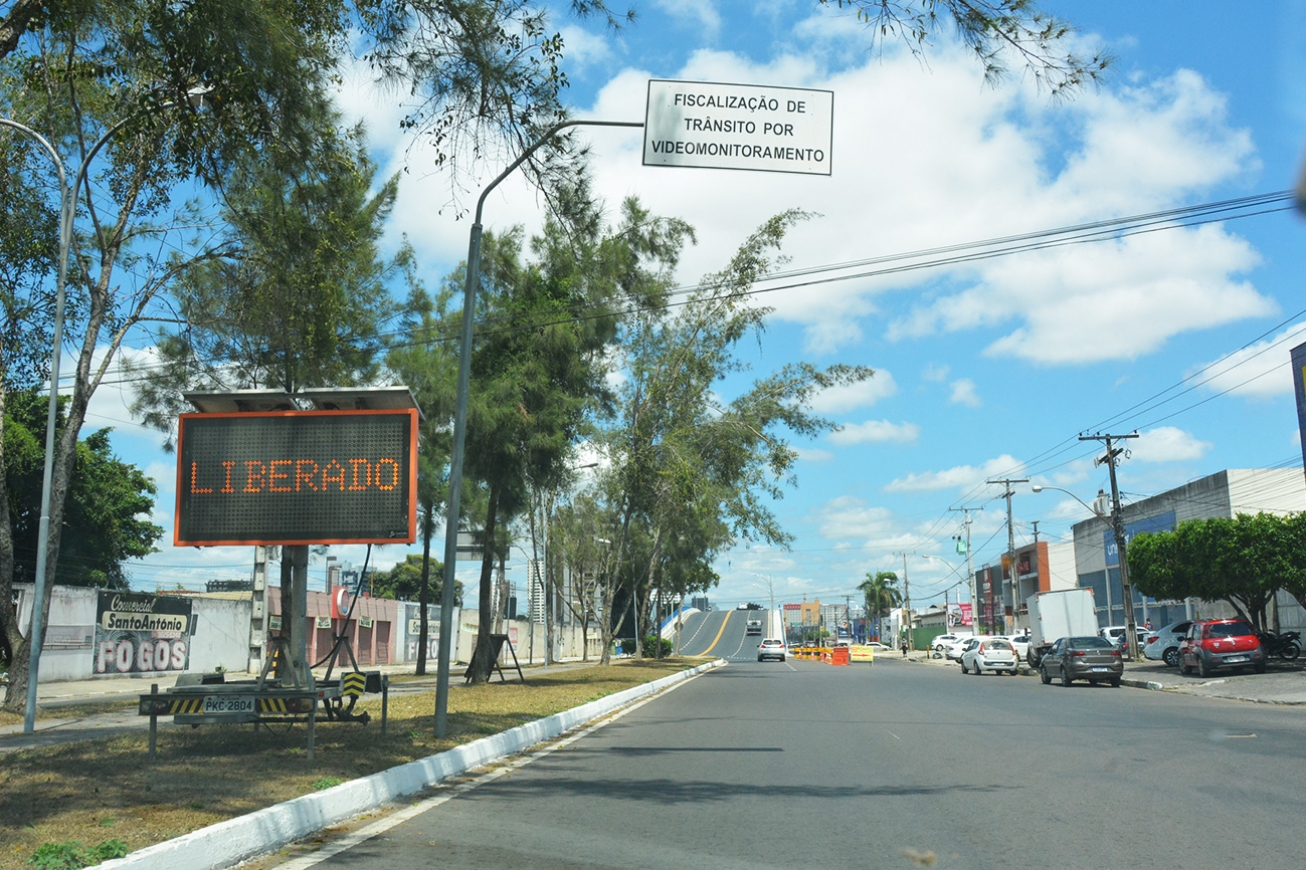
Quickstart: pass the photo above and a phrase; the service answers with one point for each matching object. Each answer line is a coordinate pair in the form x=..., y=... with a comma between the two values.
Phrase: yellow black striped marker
x=353, y=683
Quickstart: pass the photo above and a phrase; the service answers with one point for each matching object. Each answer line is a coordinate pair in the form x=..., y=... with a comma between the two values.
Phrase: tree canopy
x=1243, y=560
x=109, y=501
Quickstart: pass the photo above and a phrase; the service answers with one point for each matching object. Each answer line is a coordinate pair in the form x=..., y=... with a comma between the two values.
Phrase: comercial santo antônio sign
x=728, y=126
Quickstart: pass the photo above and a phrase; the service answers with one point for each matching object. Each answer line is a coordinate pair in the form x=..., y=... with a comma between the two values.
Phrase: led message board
x=297, y=477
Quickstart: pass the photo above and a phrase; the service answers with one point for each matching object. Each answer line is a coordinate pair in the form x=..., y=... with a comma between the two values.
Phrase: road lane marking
x=718, y=634
x=392, y=820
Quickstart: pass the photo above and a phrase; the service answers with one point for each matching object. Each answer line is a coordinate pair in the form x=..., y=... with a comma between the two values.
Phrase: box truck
x=1054, y=615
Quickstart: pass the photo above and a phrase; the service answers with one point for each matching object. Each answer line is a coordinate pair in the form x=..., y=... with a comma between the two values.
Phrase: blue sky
x=983, y=369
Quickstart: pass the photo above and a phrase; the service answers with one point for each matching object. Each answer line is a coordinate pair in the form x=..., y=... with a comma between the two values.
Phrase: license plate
x=228, y=704
x=1101, y=668
x=1236, y=659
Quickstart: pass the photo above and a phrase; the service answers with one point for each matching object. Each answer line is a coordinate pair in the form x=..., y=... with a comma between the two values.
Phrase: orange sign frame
x=294, y=481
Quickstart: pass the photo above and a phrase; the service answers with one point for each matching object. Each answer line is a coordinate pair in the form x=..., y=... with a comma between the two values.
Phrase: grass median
x=106, y=789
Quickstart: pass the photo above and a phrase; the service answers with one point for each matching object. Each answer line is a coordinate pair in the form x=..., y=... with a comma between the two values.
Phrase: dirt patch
x=106, y=789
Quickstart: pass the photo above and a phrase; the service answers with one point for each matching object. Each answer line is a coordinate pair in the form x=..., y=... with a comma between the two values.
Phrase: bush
x=650, y=645
x=628, y=646
x=73, y=856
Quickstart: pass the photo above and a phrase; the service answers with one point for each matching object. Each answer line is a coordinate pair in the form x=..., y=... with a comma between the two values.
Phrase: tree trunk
x=16, y=696
x=482, y=663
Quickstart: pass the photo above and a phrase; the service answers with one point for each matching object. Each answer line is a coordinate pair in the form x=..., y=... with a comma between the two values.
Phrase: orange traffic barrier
x=839, y=655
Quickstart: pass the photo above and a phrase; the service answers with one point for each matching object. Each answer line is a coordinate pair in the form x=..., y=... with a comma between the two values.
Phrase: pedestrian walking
x=904, y=646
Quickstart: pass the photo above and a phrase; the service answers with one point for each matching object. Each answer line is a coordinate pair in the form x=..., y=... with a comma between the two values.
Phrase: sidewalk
x=1282, y=683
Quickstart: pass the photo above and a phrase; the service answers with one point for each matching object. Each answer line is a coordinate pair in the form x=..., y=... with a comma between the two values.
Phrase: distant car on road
x=771, y=648
x=1212, y=644
x=1163, y=644
x=1095, y=659
x=878, y=647
x=753, y=626
x=995, y=654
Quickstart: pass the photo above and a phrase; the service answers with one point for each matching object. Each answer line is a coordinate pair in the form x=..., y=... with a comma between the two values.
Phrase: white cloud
x=583, y=48
x=936, y=373
x=813, y=455
x=1259, y=371
x=849, y=517
x=848, y=397
x=959, y=476
x=699, y=15
x=876, y=431
x=963, y=393
x=1167, y=444
x=959, y=162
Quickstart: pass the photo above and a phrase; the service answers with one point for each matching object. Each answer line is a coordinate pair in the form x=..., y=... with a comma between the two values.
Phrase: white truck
x=1054, y=615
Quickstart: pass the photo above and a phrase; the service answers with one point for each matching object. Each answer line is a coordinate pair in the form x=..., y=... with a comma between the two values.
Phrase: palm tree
x=881, y=592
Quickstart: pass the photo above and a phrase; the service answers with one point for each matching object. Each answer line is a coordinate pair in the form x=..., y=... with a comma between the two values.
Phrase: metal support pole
x=154, y=726
x=312, y=726
x=385, y=701
x=452, y=513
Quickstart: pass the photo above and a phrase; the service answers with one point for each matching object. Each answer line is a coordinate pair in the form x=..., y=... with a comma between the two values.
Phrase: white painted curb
x=235, y=840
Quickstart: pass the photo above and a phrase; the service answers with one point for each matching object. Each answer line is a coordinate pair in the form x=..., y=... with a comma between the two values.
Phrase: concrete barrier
x=235, y=840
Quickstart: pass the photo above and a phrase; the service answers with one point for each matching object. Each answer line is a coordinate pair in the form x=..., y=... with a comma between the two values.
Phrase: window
x=1229, y=629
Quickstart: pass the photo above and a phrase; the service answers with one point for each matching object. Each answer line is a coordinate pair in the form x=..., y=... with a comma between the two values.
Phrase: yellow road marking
x=719, y=633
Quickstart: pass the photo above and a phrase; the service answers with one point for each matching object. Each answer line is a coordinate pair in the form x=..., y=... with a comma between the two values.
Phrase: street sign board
x=731, y=126
x=297, y=477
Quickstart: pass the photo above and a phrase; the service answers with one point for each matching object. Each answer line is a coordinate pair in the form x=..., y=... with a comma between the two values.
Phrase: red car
x=1220, y=643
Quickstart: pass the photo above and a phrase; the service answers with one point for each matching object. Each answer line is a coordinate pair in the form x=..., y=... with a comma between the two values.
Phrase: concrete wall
x=1061, y=567
x=221, y=634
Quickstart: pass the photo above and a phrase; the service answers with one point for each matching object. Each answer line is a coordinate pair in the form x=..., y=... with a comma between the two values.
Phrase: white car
x=993, y=654
x=1163, y=643
x=1020, y=642
x=771, y=648
x=940, y=643
x=952, y=652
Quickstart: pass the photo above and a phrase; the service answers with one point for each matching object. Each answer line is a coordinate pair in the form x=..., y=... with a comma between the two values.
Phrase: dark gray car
x=1095, y=659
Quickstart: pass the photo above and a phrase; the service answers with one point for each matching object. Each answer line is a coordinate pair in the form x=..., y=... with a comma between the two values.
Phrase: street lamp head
x=196, y=96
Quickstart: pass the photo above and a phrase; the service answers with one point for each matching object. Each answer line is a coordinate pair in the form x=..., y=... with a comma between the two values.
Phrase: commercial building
x=1223, y=494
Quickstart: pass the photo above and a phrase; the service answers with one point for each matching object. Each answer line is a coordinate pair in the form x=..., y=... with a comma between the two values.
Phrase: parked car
x=952, y=652
x=995, y=654
x=1163, y=644
x=878, y=647
x=1095, y=659
x=1116, y=634
x=771, y=648
x=1020, y=642
x=942, y=640
x=1212, y=644
x=941, y=643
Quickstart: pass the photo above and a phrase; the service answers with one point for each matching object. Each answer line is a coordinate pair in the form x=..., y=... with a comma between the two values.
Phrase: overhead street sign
x=728, y=126
x=297, y=477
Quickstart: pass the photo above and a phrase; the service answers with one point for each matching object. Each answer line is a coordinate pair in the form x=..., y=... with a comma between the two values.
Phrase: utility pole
x=906, y=601
x=970, y=570
x=1118, y=526
x=1036, y=531
x=1011, y=543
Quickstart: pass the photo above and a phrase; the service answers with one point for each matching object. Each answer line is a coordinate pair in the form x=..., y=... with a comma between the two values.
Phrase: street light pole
x=67, y=197
x=34, y=638
x=460, y=416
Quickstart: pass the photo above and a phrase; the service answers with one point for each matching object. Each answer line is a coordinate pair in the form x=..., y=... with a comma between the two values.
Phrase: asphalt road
x=802, y=765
